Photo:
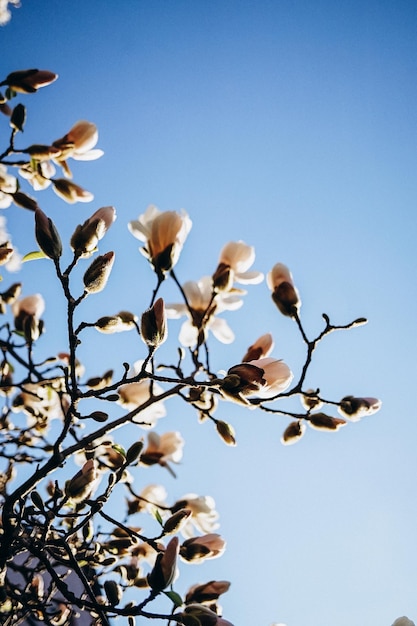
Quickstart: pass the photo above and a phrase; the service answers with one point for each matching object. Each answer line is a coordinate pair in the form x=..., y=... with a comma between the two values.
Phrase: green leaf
x=158, y=517
x=32, y=256
x=119, y=449
x=174, y=597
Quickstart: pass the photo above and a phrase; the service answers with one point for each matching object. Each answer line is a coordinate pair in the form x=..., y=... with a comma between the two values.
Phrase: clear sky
x=291, y=125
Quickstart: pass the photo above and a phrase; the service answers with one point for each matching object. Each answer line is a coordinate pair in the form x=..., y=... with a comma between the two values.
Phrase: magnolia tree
x=66, y=551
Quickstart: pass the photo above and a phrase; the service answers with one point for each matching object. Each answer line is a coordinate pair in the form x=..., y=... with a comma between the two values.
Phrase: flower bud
x=113, y=592
x=153, y=325
x=310, y=401
x=18, y=117
x=86, y=236
x=176, y=521
x=321, y=421
x=47, y=235
x=96, y=276
x=70, y=192
x=208, y=546
x=29, y=81
x=284, y=294
x=164, y=570
x=24, y=201
x=80, y=486
x=6, y=252
x=133, y=453
x=293, y=433
x=226, y=432
x=12, y=293
x=207, y=592
x=355, y=408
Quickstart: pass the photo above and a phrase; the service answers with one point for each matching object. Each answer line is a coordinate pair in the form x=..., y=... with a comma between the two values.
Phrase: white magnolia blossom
x=38, y=174
x=8, y=186
x=38, y=403
x=203, y=514
x=163, y=234
x=239, y=257
x=168, y=446
x=133, y=395
x=262, y=378
x=29, y=305
x=204, y=309
x=78, y=144
x=14, y=264
x=284, y=293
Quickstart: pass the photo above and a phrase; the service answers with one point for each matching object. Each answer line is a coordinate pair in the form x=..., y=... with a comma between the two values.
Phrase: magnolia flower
x=235, y=259
x=263, y=378
x=164, y=235
x=39, y=403
x=196, y=549
x=149, y=499
x=204, y=515
x=355, y=408
x=8, y=186
x=134, y=395
x=165, y=568
x=261, y=348
x=27, y=312
x=203, y=304
x=163, y=448
x=78, y=144
x=284, y=293
x=29, y=81
x=86, y=236
x=14, y=264
x=38, y=174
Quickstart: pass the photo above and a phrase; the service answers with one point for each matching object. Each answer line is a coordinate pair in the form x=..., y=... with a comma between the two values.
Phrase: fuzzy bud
x=47, y=235
x=153, y=325
x=96, y=276
x=163, y=572
x=226, y=432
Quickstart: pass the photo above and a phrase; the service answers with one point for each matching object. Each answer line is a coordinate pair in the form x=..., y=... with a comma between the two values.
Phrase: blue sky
x=291, y=126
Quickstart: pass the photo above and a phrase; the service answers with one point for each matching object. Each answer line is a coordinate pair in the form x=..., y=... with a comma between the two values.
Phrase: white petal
x=221, y=330
x=138, y=230
x=90, y=155
x=188, y=335
x=174, y=311
x=247, y=278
